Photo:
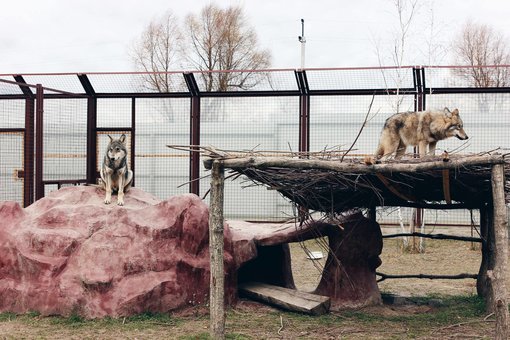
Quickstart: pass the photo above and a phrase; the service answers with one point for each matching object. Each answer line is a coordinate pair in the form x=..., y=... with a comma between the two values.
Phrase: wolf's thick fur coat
x=423, y=129
x=115, y=173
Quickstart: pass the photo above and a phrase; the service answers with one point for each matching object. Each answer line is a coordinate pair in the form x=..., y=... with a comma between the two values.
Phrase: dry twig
x=281, y=325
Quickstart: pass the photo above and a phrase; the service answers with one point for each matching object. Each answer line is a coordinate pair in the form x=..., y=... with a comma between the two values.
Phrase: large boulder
x=69, y=253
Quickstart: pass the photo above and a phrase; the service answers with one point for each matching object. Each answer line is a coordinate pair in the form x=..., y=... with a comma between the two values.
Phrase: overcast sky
x=96, y=35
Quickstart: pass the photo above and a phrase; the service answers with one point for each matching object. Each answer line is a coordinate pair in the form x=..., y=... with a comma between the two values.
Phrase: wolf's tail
x=370, y=160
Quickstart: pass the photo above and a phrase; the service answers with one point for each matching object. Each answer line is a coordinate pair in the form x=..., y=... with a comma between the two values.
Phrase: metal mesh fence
x=12, y=124
x=261, y=123
x=64, y=140
x=11, y=166
x=12, y=113
x=336, y=121
x=267, y=114
x=361, y=78
x=161, y=122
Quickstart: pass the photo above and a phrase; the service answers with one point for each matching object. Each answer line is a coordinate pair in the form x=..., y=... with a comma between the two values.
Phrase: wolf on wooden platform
x=423, y=129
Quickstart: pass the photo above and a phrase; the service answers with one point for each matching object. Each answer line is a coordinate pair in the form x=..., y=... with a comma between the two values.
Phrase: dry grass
x=440, y=257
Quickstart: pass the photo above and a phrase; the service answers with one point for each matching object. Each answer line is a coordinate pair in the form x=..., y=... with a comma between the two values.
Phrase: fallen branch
x=465, y=323
x=425, y=276
x=437, y=237
x=281, y=325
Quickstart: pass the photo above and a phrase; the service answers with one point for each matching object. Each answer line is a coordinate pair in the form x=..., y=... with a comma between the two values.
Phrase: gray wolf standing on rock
x=423, y=129
x=115, y=173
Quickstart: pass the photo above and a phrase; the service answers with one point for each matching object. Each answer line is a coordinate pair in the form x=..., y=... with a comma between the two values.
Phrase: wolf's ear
x=447, y=112
x=122, y=138
x=110, y=137
x=455, y=112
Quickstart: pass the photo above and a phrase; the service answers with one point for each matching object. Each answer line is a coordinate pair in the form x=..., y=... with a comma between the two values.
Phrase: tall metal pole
x=302, y=40
x=39, y=127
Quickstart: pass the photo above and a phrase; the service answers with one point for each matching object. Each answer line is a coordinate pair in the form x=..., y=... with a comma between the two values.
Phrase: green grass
x=253, y=324
x=8, y=316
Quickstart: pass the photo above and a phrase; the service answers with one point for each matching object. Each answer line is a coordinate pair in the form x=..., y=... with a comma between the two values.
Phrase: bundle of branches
x=326, y=181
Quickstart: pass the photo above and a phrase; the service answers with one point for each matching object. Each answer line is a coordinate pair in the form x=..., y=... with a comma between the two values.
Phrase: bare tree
x=405, y=11
x=158, y=51
x=433, y=49
x=478, y=46
x=221, y=40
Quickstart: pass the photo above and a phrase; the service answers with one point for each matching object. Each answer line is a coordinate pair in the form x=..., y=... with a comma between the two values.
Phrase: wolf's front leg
x=422, y=149
x=432, y=148
x=120, y=194
x=108, y=189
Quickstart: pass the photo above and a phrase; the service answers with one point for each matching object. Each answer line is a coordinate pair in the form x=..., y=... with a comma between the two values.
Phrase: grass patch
x=7, y=316
x=206, y=336
x=425, y=317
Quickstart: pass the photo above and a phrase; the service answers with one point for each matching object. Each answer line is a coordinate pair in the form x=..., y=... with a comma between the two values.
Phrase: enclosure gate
x=17, y=144
x=12, y=168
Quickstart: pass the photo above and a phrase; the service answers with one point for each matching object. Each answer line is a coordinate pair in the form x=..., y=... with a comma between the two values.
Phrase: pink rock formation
x=70, y=253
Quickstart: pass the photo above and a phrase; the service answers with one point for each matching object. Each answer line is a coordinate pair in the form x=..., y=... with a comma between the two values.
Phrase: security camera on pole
x=302, y=40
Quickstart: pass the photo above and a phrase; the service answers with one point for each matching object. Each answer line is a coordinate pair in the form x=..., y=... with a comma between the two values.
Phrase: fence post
x=91, y=128
x=28, y=154
x=419, y=105
x=28, y=142
x=304, y=111
x=419, y=87
x=39, y=154
x=194, y=170
x=133, y=138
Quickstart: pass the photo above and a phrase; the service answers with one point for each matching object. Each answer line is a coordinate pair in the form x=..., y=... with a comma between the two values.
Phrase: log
x=426, y=276
x=289, y=299
x=217, y=282
x=498, y=274
x=437, y=237
x=346, y=167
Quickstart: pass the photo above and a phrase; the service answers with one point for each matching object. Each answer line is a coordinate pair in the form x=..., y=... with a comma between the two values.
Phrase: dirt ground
x=251, y=320
x=440, y=257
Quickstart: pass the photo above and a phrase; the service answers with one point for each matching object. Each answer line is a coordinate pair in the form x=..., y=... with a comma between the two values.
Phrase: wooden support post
x=372, y=213
x=483, y=284
x=217, y=291
x=498, y=274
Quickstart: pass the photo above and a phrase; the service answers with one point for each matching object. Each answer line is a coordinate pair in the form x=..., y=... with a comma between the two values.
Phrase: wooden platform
x=285, y=298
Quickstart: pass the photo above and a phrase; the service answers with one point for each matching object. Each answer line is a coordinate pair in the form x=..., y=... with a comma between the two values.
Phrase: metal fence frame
x=34, y=115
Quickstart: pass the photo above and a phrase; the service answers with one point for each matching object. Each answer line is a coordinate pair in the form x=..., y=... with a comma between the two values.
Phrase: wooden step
x=289, y=299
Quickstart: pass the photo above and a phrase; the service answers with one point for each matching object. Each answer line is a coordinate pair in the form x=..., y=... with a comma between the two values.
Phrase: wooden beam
x=289, y=299
x=498, y=274
x=217, y=281
x=394, y=188
x=360, y=168
x=446, y=186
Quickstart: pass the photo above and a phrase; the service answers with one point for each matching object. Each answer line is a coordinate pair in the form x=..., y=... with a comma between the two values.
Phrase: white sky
x=96, y=35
